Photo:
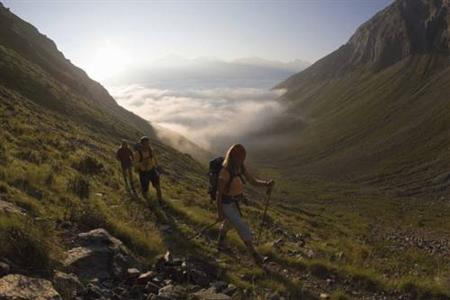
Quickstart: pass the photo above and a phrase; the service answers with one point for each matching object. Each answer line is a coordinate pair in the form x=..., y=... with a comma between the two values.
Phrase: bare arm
x=255, y=181
x=152, y=153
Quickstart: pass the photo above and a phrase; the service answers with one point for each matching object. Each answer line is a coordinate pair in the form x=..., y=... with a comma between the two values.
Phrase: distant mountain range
x=177, y=72
x=376, y=110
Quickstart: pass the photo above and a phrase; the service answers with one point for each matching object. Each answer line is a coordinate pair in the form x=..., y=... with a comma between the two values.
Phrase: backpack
x=215, y=166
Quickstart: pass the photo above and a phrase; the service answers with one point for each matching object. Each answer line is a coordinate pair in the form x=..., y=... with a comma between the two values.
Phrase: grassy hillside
x=60, y=173
x=58, y=177
x=389, y=128
x=374, y=111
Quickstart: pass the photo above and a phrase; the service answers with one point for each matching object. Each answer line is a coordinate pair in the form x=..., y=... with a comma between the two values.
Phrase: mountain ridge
x=357, y=111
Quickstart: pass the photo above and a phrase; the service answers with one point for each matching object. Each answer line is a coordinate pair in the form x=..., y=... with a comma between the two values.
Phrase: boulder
x=219, y=286
x=90, y=262
x=15, y=287
x=173, y=292
x=98, y=237
x=230, y=290
x=210, y=294
x=133, y=273
x=10, y=208
x=99, y=255
x=4, y=268
x=146, y=277
x=68, y=285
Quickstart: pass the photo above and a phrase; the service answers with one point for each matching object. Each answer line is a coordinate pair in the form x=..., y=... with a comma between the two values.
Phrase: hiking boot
x=221, y=246
x=258, y=259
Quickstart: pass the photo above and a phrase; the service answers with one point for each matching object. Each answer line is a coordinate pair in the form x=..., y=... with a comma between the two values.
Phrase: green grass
x=57, y=164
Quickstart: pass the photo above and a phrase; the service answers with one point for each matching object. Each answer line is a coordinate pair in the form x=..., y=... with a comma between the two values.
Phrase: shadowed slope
x=376, y=109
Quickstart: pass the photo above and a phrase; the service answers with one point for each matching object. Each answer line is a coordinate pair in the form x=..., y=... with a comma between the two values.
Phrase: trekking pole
x=200, y=232
x=269, y=193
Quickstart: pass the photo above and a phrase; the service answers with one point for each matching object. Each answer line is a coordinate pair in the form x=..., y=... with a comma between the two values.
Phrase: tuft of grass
x=89, y=165
x=26, y=245
x=423, y=289
x=79, y=186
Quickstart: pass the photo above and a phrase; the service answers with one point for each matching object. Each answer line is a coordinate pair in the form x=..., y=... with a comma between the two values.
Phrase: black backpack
x=215, y=166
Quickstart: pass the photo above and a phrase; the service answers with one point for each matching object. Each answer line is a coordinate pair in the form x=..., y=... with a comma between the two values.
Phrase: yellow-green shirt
x=147, y=162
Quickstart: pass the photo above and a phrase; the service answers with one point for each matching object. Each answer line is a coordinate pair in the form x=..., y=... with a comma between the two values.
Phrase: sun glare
x=109, y=59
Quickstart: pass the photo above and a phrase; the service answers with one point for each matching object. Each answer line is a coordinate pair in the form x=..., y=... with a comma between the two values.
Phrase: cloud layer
x=212, y=118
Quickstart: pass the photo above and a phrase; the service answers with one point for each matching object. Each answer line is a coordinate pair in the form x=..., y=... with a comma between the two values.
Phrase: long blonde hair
x=234, y=159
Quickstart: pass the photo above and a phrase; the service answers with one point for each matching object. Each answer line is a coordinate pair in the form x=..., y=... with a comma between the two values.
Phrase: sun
x=107, y=60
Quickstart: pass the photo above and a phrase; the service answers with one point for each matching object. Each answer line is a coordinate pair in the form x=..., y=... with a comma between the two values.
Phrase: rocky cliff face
x=405, y=28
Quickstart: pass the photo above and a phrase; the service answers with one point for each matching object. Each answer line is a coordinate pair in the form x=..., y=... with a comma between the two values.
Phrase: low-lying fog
x=212, y=103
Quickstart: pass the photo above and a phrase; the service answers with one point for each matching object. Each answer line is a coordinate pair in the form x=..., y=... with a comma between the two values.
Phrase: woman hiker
x=230, y=192
x=147, y=166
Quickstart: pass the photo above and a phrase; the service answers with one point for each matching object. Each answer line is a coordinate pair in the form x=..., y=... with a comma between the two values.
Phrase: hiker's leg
x=159, y=193
x=124, y=174
x=143, y=177
x=154, y=177
x=223, y=230
x=232, y=213
x=130, y=177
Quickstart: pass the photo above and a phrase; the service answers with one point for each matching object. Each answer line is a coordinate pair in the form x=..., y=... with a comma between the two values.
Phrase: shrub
x=3, y=156
x=32, y=156
x=88, y=166
x=79, y=186
x=25, y=185
x=24, y=245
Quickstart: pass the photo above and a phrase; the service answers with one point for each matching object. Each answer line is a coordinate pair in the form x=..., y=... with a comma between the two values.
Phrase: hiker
x=125, y=156
x=147, y=166
x=230, y=193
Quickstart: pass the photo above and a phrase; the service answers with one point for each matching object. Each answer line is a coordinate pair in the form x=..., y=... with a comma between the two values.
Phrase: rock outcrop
x=99, y=255
x=20, y=287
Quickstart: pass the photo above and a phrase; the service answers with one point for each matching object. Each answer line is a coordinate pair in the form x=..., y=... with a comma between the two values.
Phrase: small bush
x=24, y=245
x=3, y=156
x=49, y=180
x=88, y=166
x=320, y=270
x=24, y=185
x=79, y=186
x=32, y=156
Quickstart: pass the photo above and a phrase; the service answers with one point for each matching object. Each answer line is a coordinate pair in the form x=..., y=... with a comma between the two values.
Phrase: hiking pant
x=146, y=177
x=127, y=175
x=233, y=218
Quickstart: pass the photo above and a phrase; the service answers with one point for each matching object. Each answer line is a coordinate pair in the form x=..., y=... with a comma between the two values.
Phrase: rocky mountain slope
x=70, y=229
x=376, y=109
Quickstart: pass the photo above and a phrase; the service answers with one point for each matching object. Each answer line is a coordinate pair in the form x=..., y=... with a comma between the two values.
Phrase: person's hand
x=270, y=183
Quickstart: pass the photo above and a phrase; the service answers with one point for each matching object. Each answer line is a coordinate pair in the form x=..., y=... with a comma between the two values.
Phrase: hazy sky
x=107, y=36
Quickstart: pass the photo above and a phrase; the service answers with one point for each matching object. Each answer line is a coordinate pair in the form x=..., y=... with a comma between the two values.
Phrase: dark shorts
x=149, y=176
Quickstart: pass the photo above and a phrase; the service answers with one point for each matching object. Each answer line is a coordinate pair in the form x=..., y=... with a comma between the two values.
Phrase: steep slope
x=78, y=96
x=58, y=177
x=375, y=110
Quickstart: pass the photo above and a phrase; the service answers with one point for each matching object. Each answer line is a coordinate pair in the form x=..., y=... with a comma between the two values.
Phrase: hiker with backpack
x=147, y=167
x=229, y=194
x=125, y=156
